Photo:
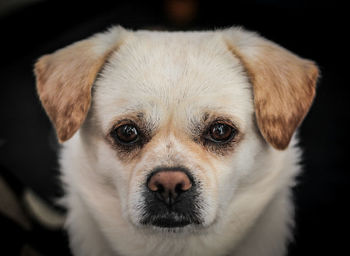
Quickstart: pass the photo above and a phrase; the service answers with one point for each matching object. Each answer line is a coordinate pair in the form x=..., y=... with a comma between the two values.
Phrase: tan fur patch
x=284, y=87
x=64, y=80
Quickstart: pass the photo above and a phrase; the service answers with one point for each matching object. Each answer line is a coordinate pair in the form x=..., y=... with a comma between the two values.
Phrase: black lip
x=170, y=223
x=171, y=220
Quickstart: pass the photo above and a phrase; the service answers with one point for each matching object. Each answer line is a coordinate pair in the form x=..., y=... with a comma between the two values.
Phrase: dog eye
x=221, y=132
x=126, y=134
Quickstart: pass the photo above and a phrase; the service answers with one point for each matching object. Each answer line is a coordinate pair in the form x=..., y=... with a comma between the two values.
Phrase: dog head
x=175, y=124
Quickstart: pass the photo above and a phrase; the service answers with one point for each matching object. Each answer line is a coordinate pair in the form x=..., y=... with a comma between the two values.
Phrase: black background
x=312, y=29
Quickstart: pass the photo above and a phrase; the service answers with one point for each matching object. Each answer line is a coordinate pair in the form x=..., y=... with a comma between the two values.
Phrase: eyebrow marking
x=140, y=116
x=205, y=116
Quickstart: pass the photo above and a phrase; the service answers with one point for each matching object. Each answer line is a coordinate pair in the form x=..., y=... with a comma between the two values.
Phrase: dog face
x=174, y=121
x=179, y=125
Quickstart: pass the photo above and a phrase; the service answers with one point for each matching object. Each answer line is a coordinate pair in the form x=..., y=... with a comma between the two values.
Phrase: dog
x=177, y=143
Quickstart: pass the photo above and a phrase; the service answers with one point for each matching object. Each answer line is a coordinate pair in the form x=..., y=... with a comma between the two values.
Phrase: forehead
x=184, y=74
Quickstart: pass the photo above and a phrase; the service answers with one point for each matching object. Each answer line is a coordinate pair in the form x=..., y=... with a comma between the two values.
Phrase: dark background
x=313, y=29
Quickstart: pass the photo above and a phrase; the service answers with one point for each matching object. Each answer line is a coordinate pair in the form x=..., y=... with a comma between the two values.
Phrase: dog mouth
x=177, y=213
x=171, y=199
x=171, y=219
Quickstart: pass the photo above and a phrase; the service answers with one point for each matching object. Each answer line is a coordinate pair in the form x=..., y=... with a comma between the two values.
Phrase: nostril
x=183, y=186
x=179, y=188
x=160, y=188
x=154, y=185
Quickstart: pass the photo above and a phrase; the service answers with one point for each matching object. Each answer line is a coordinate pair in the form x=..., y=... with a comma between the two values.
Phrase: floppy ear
x=283, y=84
x=65, y=77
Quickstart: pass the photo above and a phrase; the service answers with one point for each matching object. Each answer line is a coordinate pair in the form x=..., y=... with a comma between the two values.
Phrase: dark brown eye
x=221, y=132
x=126, y=134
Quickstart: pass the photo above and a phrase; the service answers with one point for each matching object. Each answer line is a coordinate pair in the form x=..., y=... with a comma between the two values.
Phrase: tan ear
x=283, y=84
x=65, y=77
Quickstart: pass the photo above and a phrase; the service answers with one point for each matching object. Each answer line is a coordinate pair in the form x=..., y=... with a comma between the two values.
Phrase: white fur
x=173, y=78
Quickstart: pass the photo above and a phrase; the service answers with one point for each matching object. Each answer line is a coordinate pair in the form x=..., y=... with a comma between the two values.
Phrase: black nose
x=168, y=185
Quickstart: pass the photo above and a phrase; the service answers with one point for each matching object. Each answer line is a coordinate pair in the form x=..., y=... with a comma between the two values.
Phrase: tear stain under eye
x=124, y=153
x=221, y=149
